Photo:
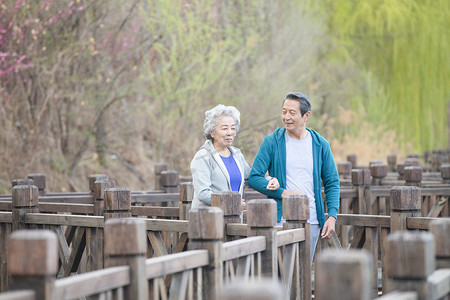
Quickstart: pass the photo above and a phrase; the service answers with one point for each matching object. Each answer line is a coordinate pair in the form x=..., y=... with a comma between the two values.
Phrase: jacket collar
x=279, y=135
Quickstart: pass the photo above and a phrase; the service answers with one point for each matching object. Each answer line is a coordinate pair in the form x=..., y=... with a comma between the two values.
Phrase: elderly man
x=299, y=158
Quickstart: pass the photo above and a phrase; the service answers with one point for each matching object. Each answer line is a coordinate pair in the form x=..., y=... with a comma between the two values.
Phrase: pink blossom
x=71, y=3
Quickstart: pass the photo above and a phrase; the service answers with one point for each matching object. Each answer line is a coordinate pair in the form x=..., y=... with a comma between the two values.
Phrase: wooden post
x=33, y=261
x=22, y=181
x=436, y=161
x=117, y=203
x=24, y=200
x=412, y=161
x=445, y=173
x=206, y=232
x=170, y=182
x=262, y=289
x=343, y=275
x=159, y=167
x=94, y=177
x=375, y=162
x=344, y=169
x=413, y=176
x=296, y=213
x=99, y=194
x=261, y=219
x=360, y=180
x=409, y=259
x=230, y=204
x=353, y=159
x=405, y=202
x=95, y=236
x=39, y=181
x=427, y=157
x=440, y=228
x=392, y=162
x=186, y=197
x=401, y=171
x=378, y=172
x=126, y=244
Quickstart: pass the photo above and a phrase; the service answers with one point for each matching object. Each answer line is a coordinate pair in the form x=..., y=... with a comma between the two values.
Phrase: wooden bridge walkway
x=111, y=243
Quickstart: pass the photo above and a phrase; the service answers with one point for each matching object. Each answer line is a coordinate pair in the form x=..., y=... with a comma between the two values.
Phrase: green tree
x=404, y=44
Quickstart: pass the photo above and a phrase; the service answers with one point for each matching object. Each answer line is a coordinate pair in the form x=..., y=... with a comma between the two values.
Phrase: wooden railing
x=417, y=267
x=196, y=274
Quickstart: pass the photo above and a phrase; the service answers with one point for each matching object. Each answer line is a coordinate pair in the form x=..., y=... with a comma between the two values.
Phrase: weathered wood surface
x=243, y=247
x=92, y=283
x=19, y=295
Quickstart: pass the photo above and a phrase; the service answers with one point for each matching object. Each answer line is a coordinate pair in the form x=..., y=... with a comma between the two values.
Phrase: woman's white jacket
x=210, y=175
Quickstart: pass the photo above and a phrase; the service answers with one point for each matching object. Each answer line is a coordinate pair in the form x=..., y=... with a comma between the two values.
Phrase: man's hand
x=242, y=204
x=273, y=184
x=329, y=228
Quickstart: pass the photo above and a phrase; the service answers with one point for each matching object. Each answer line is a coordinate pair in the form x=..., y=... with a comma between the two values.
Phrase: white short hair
x=212, y=115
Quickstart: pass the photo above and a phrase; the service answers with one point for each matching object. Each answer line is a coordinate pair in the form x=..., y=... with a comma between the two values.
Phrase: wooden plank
x=181, y=242
x=178, y=288
x=348, y=193
x=437, y=207
x=400, y=296
x=64, y=251
x=422, y=223
x=92, y=283
x=288, y=263
x=64, y=220
x=83, y=199
x=371, y=245
x=439, y=284
x=291, y=236
x=358, y=238
x=380, y=191
x=5, y=217
x=77, y=251
x=243, y=247
x=443, y=190
x=154, y=198
x=153, y=211
x=174, y=263
x=244, y=266
x=5, y=205
x=236, y=229
x=167, y=225
x=18, y=295
x=5, y=232
x=363, y=220
x=76, y=208
x=157, y=243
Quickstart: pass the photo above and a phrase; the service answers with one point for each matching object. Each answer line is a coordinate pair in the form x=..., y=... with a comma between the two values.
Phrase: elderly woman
x=218, y=166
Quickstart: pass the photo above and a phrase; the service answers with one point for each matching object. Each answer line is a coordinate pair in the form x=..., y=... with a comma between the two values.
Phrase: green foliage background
x=404, y=45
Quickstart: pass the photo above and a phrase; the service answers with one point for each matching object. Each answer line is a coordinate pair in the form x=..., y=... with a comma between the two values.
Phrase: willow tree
x=404, y=44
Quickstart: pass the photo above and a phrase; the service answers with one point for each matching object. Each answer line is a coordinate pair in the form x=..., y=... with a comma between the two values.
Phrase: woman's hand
x=242, y=204
x=273, y=184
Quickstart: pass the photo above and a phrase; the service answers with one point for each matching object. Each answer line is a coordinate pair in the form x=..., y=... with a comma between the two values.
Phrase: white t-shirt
x=299, y=170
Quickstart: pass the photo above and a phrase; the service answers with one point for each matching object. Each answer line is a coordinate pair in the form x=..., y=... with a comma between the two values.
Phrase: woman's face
x=225, y=131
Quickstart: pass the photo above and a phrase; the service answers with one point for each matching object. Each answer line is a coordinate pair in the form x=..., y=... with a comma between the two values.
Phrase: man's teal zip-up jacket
x=272, y=157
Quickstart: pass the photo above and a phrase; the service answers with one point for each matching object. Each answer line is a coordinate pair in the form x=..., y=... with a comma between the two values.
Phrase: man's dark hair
x=305, y=105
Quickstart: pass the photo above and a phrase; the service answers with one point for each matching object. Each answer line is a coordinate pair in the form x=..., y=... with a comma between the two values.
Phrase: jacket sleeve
x=263, y=160
x=201, y=176
x=330, y=179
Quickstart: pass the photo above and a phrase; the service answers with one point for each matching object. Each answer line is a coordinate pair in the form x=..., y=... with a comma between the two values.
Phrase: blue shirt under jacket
x=272, y=157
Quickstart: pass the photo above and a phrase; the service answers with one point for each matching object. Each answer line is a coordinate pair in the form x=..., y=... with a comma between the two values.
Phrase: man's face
x=292, y=117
